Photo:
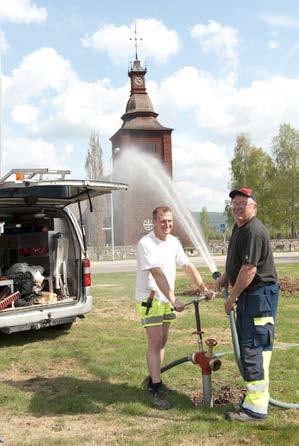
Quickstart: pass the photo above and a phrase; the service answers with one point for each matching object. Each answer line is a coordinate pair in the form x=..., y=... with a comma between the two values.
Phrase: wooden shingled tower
x=141, y=130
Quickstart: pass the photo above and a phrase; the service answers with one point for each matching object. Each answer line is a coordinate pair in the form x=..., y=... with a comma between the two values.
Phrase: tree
x=204, y=222
x=254, y=168
x=286, y=184
x=95, y=219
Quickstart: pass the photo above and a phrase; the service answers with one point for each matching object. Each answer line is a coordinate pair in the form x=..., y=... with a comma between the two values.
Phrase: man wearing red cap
x=250, y=271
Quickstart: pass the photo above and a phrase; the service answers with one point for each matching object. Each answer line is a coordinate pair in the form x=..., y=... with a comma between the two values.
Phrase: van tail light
x=86, y=273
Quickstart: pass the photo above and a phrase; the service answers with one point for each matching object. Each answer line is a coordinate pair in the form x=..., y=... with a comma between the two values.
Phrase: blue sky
x=215, y=69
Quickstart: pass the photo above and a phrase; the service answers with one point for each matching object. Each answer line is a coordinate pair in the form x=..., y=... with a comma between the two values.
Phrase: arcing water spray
x=143, y=170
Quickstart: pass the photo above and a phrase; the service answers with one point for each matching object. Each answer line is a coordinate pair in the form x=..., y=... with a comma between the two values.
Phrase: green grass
x=84, y=387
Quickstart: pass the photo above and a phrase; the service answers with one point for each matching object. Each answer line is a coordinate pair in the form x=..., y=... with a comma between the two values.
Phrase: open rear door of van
x=59, y=193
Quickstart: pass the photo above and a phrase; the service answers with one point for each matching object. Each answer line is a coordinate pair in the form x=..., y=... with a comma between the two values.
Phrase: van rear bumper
x=35, y=318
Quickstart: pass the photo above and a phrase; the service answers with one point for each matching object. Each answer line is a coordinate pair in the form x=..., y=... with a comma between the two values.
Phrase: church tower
x=141, y=130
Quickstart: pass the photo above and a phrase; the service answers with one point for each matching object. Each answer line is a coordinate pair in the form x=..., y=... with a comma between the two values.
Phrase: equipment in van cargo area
x=49, y=267
x=44, y=266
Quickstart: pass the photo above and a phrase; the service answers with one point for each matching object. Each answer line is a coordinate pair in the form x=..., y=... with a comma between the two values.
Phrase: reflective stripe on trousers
x=255, y=326
x=257, y=397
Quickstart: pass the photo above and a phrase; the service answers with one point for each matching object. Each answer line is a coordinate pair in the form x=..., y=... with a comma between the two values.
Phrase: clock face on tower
x=138, y=81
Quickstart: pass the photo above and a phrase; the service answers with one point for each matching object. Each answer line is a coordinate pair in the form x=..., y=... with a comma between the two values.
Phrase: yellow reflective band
x=266, y=363
x=257, y=387
x=263, y=410
x=263, y=320
x=257, y=397
x=152, y=320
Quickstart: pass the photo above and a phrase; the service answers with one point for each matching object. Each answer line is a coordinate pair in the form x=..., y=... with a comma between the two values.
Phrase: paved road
x=123, y=266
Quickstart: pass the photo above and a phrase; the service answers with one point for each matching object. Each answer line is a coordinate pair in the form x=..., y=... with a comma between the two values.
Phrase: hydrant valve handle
x=211, y=342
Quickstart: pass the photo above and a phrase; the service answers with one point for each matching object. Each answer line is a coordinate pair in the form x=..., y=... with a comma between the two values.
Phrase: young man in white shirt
x=158, y=255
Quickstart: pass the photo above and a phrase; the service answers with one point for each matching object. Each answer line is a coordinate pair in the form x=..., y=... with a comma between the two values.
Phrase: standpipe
x=205, y=359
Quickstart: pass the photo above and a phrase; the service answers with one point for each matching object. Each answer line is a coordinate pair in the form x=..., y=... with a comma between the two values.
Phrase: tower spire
x=136, y=40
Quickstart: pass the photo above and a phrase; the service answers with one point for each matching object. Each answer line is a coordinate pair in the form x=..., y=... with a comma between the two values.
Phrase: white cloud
x=206, y=98
x=24, y=152
x=281, y=21
x=83, y=107
x=64, y=106
x=224, y=109
x=273, y=44
x=22, y=11
x=39, y=74
x=158, y=42
x=214, y=37
x=206, y=164
x=25, y=114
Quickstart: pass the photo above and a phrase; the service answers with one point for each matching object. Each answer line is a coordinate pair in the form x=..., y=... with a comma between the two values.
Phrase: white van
x=44, y=269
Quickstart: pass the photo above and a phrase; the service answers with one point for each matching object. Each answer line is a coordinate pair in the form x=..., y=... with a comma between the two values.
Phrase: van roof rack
x=30, y=173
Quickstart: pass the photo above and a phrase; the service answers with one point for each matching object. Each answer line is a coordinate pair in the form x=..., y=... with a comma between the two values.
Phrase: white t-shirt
x=152, y=253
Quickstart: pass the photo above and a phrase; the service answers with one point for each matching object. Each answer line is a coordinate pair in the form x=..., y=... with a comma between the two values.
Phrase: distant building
x=142, y=130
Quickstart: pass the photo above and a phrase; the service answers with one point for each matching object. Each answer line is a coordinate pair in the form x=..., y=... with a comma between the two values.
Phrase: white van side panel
x=33, y=316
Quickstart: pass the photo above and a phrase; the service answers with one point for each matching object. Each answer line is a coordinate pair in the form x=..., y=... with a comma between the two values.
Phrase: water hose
x=236, y=346
x=176, y=362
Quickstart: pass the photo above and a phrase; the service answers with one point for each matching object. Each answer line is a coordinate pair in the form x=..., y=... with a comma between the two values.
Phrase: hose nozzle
x=216, y=275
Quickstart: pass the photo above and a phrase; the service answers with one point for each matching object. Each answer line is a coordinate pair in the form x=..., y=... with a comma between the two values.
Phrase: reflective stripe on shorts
x=158, y=314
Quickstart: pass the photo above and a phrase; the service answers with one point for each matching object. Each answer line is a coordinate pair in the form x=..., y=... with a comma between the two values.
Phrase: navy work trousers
x=256, y=311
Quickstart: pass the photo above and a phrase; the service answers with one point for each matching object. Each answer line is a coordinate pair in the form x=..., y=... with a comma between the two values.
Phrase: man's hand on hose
x=178, y=305
x=222, y=282
x=228, y=305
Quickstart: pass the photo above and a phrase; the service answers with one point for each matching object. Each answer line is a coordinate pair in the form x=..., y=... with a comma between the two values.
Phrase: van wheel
x=63, y=327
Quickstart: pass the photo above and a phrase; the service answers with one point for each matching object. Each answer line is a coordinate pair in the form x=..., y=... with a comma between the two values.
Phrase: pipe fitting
x=206, y=363
x=210, y=343
x=215, y=364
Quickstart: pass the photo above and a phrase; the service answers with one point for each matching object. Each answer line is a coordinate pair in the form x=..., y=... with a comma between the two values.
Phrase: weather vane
x=136, y=40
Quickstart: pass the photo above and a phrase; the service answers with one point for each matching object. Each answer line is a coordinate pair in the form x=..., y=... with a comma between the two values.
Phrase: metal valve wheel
x=211, y=342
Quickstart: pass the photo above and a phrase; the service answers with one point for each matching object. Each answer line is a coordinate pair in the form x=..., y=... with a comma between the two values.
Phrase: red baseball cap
x=245, y=191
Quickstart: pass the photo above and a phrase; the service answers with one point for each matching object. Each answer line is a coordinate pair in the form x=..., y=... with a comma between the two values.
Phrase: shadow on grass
x=30, y=336
x=69, y=395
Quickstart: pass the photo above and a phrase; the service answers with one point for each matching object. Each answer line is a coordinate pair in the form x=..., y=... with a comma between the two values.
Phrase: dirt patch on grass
x=287, y=285
x=222, y=396
x=67, y=430
x=105, y=429
x=53, y=369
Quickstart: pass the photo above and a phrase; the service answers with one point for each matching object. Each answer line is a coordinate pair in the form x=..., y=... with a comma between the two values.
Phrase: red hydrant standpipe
x=206, y=360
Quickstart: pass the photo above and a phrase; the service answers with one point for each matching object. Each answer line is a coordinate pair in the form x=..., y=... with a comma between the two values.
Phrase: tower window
x=148, y=224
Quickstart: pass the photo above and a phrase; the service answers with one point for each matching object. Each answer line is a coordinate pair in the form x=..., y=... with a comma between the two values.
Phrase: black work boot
x=242, y=416
x=160, y=402
x=155, y=390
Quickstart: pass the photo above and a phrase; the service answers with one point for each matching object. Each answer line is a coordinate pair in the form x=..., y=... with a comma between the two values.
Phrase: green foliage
x=275, y=180
x=204, y=222
x=252, y=167
x=286, y=181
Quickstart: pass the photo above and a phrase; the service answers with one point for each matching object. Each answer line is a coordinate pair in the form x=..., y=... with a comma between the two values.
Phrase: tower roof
x=140, y=113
